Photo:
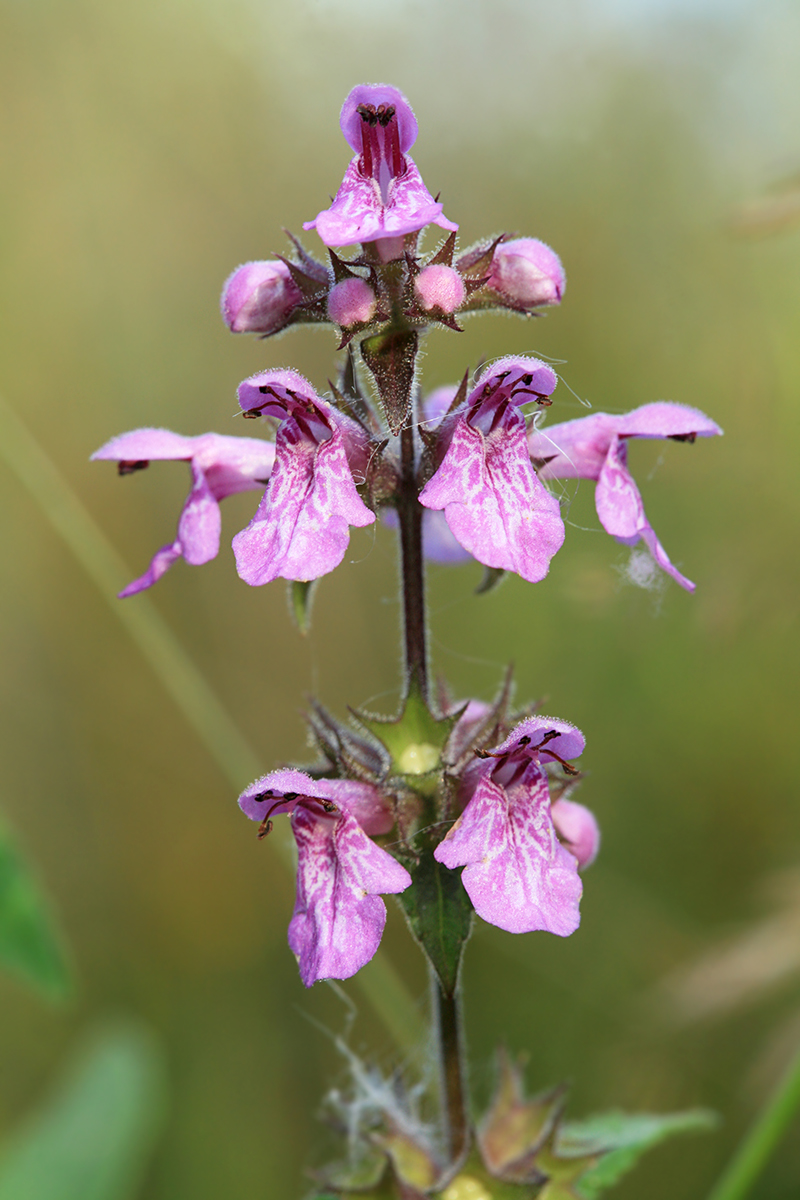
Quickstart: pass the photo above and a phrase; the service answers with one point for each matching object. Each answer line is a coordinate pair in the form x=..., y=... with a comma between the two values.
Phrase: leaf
x=439, y=912
x=92, y=1139
x=491, y=577
x=391, y=358
x=29, y=944
x=624, y=1138
x=300, y=597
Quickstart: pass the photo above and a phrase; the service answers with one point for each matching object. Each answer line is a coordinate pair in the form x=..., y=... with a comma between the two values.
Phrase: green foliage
x=439, y=912
x=93, y=1138
x=622, y=1140
x=300, y=596
x=29, y=944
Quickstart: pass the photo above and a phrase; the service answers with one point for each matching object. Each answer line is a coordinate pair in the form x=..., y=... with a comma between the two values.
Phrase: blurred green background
x=147, y=150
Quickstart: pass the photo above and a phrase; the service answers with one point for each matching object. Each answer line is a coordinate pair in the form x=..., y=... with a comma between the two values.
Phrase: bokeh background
x=147, y=150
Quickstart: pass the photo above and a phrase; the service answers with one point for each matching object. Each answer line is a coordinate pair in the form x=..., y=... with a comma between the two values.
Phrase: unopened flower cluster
x=495, y=786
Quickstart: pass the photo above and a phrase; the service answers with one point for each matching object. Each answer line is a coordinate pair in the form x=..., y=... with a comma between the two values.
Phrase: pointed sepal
x=515, y=1129
x=414, y=738
x=412, y=1162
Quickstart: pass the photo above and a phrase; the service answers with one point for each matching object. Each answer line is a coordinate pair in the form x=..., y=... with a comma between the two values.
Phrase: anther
x=128, y=466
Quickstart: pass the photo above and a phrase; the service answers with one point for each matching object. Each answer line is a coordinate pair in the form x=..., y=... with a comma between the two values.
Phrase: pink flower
x=382, y=194
x=440, y=287
x=594, y=447
x=300, y=529
x=338, y=914
x=351, y=302
x=493, y=501
x=517, y=873
x=578, y=829
x=259, y=297
x=527, y=274
x=220, y=467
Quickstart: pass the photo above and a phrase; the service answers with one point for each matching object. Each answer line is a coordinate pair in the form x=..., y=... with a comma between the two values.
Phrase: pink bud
x=259, y=297
x=351, y=302
x=578, y=829
x=527, y=273
x=439, y=286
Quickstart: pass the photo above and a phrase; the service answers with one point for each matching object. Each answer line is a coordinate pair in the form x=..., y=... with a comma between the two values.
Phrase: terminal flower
x=220, y=467
x=493, y=501
x=382, y=194
x=300, y=529
x=338, y=914
x=595, y=447
x=517, y=873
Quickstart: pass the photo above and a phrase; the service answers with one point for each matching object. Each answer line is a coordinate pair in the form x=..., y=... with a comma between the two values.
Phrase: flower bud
x=440, y=286
x=527, y=273
x=351, y=302
x=259, y=297
x=577, y=827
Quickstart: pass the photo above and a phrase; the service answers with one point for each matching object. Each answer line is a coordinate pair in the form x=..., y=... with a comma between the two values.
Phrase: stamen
x=369, y=138
x=525, y=742
x=683, y=437
x=391, y=145
x=540, y=399
x=128, y=466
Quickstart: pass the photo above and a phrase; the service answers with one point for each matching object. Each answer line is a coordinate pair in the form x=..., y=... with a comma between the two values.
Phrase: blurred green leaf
x=92, y=1140
x=624, y=1139
x=29, y=944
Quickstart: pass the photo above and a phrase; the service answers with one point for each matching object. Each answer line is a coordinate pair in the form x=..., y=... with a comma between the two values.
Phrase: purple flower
x=517, y=873
x=595, y=447
x=259, y=297
x=300, y=529
x=382, y=194
x=338, y=914
x=527, y=273
x=492, y=499
x=220, y=467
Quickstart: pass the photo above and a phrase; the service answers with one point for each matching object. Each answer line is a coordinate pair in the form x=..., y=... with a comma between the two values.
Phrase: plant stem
x=447, y=1025
x=413, y=571
x=762, y=1138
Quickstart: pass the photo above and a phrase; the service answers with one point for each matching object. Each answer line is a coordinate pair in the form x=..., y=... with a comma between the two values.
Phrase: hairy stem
x=413, y=571
x=762, y=1138
x=447, y=1024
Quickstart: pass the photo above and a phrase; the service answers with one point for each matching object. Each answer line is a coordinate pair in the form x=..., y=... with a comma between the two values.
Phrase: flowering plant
x=457, y=807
